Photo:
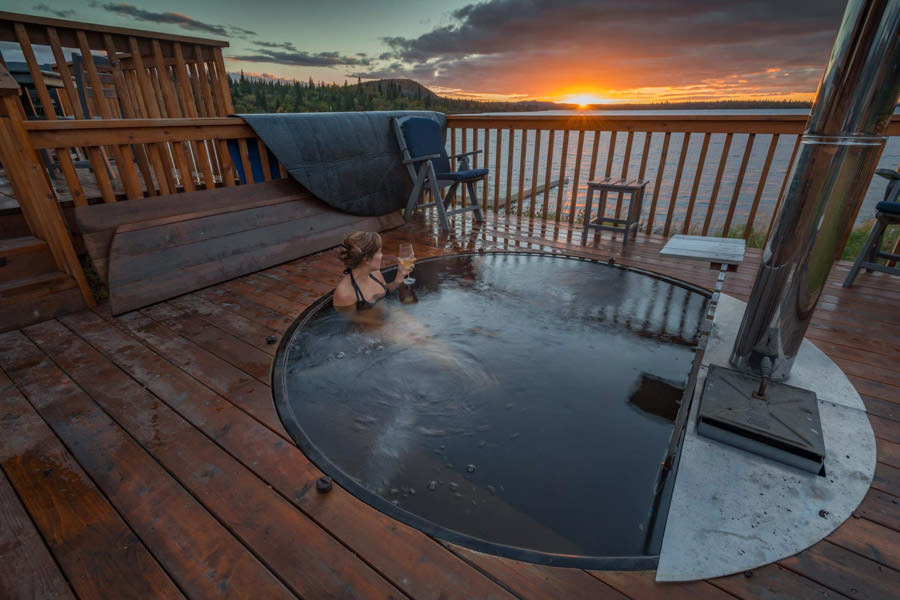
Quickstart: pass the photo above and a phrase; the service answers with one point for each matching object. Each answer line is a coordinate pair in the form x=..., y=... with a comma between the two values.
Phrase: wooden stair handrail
x=32, y=188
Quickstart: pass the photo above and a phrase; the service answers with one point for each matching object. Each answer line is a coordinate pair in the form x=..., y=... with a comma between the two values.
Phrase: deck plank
x=881, y=508
x=539, y=581
x=641, y=585
x=94, y=546
x=417, y=564
x=229, y=348
x=262, y=520
x=845, y=572
x=774, y=582
x=237, y=325
x=29, y=570
x=200, y=363
x=252, y=395
x=869, y=539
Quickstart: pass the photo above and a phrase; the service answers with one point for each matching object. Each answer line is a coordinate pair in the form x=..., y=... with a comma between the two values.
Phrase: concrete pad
x=732, y=510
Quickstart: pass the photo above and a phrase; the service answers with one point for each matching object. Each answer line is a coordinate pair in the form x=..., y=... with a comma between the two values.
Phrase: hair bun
x=358, y=247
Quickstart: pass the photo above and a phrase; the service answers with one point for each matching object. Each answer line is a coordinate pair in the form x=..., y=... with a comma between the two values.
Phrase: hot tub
x=517, y=404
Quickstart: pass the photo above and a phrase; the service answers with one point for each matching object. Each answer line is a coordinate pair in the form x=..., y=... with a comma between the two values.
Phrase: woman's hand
x=403, y=271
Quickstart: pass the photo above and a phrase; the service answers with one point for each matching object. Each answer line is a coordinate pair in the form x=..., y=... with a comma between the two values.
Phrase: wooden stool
x=632, y=220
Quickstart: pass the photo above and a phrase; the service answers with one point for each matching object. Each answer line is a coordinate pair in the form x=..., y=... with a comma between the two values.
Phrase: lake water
x=890, y=158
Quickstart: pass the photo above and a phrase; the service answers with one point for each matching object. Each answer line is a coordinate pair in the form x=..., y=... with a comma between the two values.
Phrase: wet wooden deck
x=142, y=456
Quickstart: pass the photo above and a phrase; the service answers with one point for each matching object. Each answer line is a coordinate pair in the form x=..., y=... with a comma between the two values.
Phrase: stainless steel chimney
x=838, y=155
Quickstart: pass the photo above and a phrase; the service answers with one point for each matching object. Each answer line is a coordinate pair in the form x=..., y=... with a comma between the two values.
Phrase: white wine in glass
x=407, y=258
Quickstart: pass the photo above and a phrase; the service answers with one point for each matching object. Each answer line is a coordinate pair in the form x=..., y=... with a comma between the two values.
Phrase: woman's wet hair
x=359, y=247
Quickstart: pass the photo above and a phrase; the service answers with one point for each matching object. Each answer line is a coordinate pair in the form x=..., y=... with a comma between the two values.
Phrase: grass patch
x=858, y=238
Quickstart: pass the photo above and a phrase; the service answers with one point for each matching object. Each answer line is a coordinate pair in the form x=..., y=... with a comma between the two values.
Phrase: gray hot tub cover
x=350, y=160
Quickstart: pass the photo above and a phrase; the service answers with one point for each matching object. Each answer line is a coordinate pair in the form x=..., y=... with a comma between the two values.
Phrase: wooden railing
x=710, y=175
x=196, y=149
x=121, y=73
x=31, y=187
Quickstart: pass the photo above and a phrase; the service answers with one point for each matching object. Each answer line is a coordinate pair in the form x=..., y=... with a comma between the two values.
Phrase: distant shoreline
x=702, y=105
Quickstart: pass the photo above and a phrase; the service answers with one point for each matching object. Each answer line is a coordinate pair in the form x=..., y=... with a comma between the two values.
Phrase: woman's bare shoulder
x=343, y=293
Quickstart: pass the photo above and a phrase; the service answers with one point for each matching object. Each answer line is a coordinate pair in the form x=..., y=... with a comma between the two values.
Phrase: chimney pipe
x=838, y=155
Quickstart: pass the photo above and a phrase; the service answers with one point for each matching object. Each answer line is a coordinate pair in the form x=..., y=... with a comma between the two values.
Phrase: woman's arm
x=398, y=277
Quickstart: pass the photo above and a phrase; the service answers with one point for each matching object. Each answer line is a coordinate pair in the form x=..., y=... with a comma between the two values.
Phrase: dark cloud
x=285, y=54
x=541, y=45
x=262, y=76
x=174, y=18
x=62, y=14
x=283, y=45
x=240, y=32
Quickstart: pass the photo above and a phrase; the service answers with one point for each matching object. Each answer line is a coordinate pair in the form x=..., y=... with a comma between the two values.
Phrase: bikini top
x=361, y=301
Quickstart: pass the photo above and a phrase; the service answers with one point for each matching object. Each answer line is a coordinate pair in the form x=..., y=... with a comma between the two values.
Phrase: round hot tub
x=518, y=404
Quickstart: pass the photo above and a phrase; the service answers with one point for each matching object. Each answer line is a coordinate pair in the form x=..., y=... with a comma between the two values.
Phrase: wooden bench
x=153, y=249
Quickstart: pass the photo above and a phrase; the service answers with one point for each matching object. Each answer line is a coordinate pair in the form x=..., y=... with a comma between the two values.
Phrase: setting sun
x=584, y=100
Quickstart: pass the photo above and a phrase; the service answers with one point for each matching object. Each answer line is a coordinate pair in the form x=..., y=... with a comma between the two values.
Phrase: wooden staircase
x=32, y=289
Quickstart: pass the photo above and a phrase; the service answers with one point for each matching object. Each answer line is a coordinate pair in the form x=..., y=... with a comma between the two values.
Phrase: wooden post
x=32, y=188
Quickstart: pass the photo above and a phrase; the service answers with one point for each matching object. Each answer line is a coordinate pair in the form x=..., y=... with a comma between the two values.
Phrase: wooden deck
x=142, y=456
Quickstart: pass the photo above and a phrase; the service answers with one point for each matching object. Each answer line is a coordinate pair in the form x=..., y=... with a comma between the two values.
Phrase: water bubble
x=412, y=491
x=394, y=491
x=482, y=444
x=514, y=435
x=339, y=355
x=458, y=496
x=454, y=486
x=432, y=485
x=470, y=468
x=492, y=489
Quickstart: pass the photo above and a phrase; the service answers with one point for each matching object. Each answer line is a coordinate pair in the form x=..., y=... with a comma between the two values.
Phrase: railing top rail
x=536, y=116
x=61, y=134
x=8, y=35
x=105, y=124
x=699, y=123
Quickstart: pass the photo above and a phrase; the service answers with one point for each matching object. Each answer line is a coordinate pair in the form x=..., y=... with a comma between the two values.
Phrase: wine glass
x=407, y=258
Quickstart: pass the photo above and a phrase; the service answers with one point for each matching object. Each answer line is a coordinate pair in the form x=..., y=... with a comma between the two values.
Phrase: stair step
x=36, y=285
x=21, y=245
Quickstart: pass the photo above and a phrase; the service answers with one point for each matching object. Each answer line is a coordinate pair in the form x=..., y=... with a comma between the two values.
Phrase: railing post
x=32, y=188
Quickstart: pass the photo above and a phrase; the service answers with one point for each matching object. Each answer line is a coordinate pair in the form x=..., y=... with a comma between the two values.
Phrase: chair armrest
x=888, y=174
x=421, y=158
x=464, y=154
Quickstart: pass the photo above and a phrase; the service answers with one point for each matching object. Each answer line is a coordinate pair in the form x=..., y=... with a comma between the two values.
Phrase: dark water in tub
x=524, y=400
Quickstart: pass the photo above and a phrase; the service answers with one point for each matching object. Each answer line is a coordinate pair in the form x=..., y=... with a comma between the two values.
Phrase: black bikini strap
x=359, y=295
x=378, y=281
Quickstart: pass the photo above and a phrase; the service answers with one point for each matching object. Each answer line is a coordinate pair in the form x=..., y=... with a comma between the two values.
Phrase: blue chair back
x=256, y=165
x=424, y=137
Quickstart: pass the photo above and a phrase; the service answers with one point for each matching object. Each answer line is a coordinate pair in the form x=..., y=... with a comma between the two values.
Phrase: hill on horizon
x=261, y=94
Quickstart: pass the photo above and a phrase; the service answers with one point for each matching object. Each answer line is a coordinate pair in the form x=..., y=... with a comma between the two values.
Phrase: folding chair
x=887, y=213
x=422, y=144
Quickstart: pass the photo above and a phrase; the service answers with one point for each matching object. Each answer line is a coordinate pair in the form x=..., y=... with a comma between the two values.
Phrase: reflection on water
x=526, y=400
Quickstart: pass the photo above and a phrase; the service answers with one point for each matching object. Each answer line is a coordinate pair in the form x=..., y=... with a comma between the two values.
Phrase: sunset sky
x=560, y=50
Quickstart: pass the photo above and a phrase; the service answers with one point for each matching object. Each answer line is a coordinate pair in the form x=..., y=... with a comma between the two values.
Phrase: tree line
x=254, y=95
